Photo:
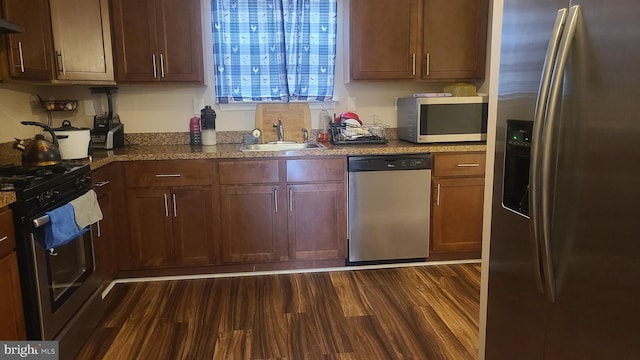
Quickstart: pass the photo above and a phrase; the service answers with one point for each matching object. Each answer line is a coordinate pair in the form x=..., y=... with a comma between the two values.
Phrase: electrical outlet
x=198, y=104
x=89, y=109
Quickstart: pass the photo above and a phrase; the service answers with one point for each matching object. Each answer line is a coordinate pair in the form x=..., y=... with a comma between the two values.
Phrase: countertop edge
x=231, y=151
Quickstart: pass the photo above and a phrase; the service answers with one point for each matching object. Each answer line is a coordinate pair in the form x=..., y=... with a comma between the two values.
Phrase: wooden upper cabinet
x=30, y=52
x=383, y=39
x=454, y=39
x=64, y=41
x=418, y=39
x=165, y=47
x=82, y=40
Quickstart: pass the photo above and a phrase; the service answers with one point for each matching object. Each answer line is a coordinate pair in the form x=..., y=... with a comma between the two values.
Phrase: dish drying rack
x=365, y=134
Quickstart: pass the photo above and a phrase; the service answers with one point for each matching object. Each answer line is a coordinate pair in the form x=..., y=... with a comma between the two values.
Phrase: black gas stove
x=41, y=189
x=60, y=287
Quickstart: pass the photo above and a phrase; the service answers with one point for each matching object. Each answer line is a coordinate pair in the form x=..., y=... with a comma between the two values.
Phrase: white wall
x=168, y=107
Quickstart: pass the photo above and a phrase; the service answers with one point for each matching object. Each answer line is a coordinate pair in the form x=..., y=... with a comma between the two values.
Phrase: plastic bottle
x=195, y=132
x=325, y=119
x=208, y=121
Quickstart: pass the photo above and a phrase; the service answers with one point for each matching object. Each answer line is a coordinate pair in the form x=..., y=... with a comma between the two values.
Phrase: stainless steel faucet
x=279, y=130
x=305, y=135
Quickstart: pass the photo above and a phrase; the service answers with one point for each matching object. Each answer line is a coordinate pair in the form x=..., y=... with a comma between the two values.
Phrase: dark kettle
x=39, y=152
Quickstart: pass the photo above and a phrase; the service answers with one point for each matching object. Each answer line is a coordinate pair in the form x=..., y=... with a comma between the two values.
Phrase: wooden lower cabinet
x=281, y=210
x=105, y=246
x=316, y=221
x=105, y=235
x=12, y=324
x=251, y=228
x=171, y=226
x=457, y=204
x=192, y=225
x=456, y=219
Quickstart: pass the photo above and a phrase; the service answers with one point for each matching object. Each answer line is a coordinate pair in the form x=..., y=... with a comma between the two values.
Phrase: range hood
x=7, y=27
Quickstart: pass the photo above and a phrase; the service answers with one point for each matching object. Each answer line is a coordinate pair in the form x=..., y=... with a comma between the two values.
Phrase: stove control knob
x=81, y=181
x=54, y=195
x=41, y=200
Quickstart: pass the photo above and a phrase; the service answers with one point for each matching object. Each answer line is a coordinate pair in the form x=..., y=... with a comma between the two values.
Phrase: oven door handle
x=41, y=221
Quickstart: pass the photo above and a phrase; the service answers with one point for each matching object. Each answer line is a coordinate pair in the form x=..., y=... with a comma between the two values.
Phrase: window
x=274, y=50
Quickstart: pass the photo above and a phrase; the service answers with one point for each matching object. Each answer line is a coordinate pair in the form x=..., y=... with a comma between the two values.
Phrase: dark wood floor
x=426, y=312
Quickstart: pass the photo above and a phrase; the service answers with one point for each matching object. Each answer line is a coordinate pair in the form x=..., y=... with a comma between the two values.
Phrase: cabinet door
x=167, y=46
x=12, y=324
x=30, y=52
x=456, y=219
x=82, y=39
x=179, y=40
x=250, y=223
x=106, y=259
x=105, y=247
x=383, y=39
x=455, y=39
x=150, y=229
x=192, y=211
x=317, y=221
x=134, y=40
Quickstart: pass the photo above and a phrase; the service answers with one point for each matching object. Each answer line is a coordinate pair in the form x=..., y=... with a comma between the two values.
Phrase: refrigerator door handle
x=538, y=138
x=555, y=99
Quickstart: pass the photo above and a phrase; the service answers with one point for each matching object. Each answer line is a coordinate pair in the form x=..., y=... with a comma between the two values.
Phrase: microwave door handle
x=536, y=148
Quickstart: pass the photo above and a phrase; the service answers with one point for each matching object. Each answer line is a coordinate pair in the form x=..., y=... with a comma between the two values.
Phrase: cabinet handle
x=468, y=165
x=98, y=226
x=60, y=61
x=290, y=200
x=438, y=195
x=413, y=67
x=4, y=238
x=175, y=206
x=101, y=184
x=21, y=56
x=161, y=66
x=155, y=69
x=428, y=64
x=167, y=175
x=166, y=207
x=275, y=198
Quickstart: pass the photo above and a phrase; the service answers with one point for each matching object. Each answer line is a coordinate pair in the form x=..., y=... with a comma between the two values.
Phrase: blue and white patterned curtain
x=274, y=50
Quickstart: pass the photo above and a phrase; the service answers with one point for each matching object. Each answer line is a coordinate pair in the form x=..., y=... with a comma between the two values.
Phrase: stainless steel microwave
x=442, y=119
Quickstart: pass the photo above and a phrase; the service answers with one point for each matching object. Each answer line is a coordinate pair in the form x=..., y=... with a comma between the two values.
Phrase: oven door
x=66, y=277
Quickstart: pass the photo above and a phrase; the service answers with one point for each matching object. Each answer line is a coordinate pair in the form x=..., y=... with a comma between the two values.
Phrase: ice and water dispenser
x=515, y=196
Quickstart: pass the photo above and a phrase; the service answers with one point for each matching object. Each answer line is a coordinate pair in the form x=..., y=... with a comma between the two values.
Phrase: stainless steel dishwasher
x=389, y=202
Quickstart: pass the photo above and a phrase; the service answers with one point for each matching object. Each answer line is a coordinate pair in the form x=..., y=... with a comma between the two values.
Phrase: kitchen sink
x=281, y=146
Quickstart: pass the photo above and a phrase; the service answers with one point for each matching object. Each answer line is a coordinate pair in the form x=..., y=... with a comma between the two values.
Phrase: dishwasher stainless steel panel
x=389, y=202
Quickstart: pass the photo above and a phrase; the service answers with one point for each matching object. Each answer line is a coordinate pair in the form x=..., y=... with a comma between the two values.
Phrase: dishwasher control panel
x=390, y=162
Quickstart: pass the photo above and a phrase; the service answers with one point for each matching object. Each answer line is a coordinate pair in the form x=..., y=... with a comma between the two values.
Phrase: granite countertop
x=184, y=152
x=220, y=151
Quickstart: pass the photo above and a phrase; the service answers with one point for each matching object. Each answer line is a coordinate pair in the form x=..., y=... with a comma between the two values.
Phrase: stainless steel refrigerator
x=564, y=265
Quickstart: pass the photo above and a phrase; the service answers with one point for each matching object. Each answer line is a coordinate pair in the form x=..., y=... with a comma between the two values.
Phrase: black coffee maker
x=108, y=131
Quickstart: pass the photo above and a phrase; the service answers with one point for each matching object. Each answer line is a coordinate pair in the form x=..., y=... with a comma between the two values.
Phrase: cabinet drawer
x=7, y=235
x=470, y=164
x=235, y=172
x=307, y=170
x=168, y=173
